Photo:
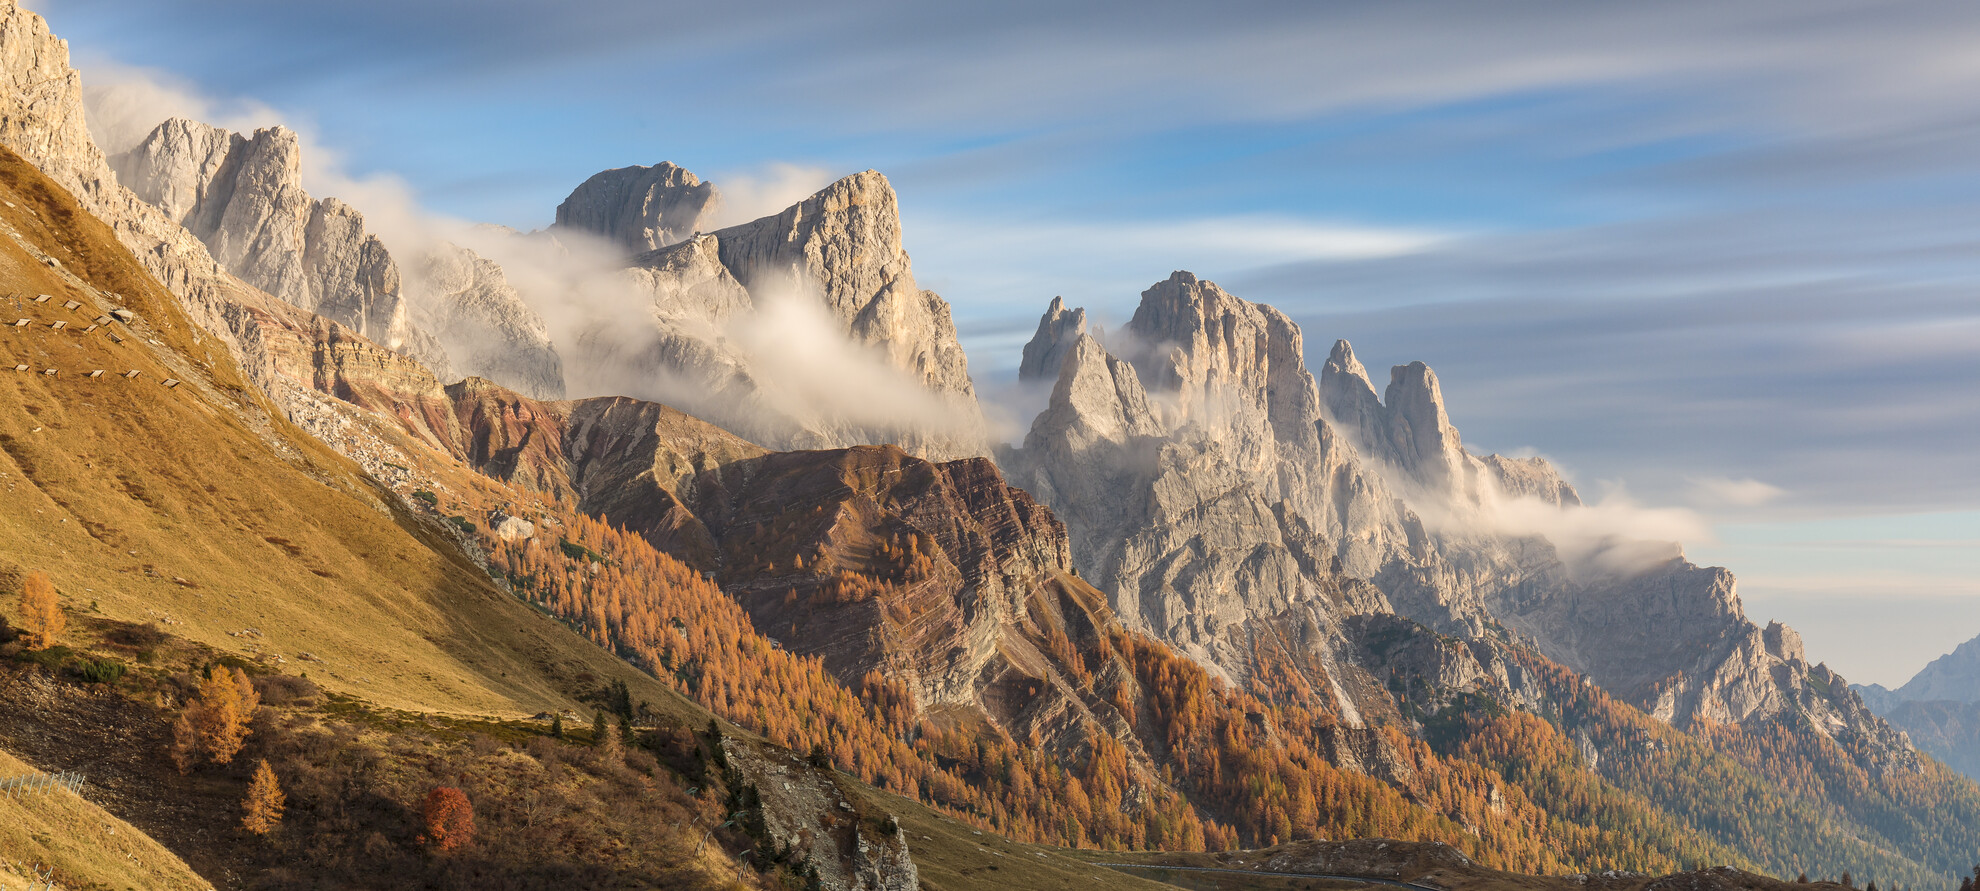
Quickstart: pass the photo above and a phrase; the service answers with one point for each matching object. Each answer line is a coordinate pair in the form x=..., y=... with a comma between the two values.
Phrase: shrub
x=282, y=689
x=449, y=819
x=100, y=671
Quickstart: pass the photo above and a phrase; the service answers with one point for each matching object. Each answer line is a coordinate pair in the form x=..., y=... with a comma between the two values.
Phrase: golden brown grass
x=85, y=846
x=195, y=508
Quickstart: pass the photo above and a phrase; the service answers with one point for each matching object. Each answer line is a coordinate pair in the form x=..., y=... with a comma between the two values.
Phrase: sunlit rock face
x=242, y=196
x=1209, y=481
x=804, y=329
x=641, y=208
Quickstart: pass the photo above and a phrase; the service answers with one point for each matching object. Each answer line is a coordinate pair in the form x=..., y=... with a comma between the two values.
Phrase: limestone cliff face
x=486, y=327
x=1196, y=482
x=1212, y=487
x=847, y=241
x=826, y=276
x=642, y=208
x=243, y=197
x=42, y=119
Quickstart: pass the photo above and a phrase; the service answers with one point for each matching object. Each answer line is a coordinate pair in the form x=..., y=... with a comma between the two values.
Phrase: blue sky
x=1724, y=256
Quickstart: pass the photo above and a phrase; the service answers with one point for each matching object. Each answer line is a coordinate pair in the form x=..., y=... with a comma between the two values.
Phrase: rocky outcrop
x=243, y=197
x=1211, y=486
x=807, y=813
x=1058, y=329
x=726, y=312
x=482, y=321
x=641, y=208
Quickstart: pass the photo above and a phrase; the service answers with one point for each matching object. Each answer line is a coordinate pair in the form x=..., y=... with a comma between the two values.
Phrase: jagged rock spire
x=1058, y=328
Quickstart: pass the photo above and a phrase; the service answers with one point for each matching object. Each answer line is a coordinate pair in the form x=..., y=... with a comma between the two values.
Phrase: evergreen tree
x=597, y=728
x=557, y=725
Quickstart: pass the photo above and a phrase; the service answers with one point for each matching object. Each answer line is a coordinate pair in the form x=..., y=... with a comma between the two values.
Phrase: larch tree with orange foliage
x=263, y=807
x=449, y=819
x=41, y=612
x=216, y=725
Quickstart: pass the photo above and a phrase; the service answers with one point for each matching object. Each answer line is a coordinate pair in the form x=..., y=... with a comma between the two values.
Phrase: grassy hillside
x=63, y=836
x=194, y=508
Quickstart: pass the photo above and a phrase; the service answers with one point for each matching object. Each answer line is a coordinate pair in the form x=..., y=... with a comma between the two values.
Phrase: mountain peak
x=1341, y=361
x=1420, y=433
x=642, y=208
x=1954, y=677
x=1057, y=329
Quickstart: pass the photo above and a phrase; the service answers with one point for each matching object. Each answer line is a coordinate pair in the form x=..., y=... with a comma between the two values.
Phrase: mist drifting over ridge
x=1770, y=135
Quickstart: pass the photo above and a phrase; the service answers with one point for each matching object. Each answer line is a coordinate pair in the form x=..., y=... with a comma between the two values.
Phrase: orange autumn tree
x=216, y=725
x=264, y=803
x=41, y=613
x=449, y=819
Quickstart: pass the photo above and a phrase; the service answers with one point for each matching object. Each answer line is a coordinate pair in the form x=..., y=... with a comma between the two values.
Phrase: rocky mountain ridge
x=1184, y=450
x=744, y=319
x=1243, y=507
x=1939, y=708
x=243, y=197
x=1954, y=677
x=733, y=314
